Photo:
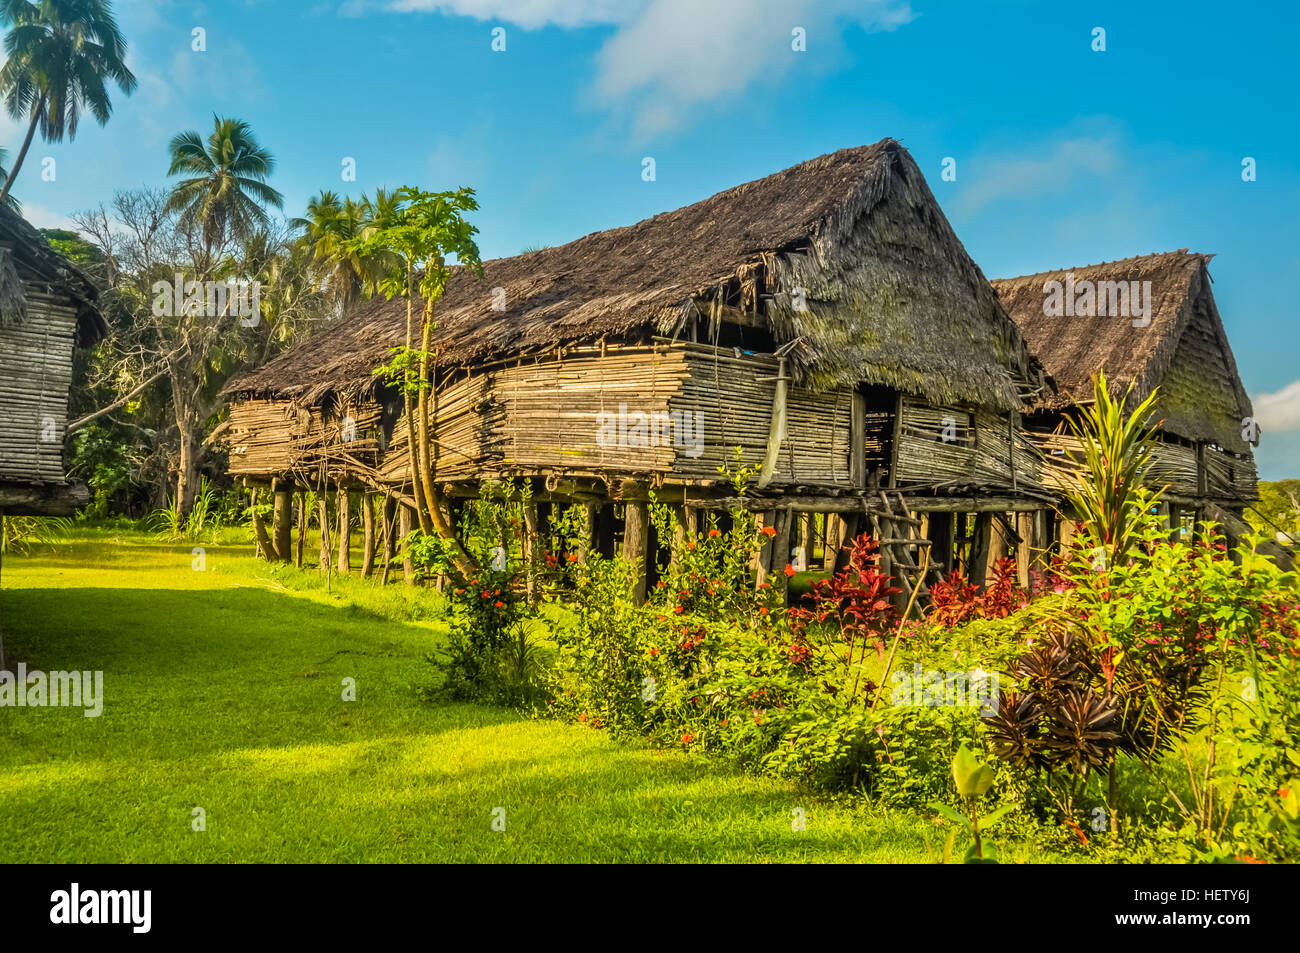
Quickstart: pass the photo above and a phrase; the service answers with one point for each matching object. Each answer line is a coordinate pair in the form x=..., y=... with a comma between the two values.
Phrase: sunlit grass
x=223, y=691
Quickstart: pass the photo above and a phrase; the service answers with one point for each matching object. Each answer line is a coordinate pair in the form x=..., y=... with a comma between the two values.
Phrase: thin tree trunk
x=412, y=434
x=22, y=153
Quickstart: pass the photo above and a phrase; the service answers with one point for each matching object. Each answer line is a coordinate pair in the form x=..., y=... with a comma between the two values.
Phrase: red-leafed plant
x=954, y=600
x=855, y=605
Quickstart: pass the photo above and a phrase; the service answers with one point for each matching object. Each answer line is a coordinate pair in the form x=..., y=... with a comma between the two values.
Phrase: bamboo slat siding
x=35, y=375
x=277, y=438
x=983, y=451
x=546, y=416
x=1229, y=476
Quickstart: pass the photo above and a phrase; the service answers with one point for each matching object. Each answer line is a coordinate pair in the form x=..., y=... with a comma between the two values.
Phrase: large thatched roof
x=24, y=250
x=892, y=297
x=1184, y=349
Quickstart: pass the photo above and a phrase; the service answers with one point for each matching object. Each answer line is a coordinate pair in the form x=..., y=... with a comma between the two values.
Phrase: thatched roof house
x=1168, y=334
x=825, y=319
x=47, y=307
x=846, y=258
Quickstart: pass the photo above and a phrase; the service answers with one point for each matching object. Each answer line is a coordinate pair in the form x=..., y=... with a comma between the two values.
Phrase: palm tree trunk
x=411, y=453
x=22, y=153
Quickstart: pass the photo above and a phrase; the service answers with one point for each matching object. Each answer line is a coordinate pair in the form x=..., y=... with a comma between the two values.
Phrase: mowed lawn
x=223, y=690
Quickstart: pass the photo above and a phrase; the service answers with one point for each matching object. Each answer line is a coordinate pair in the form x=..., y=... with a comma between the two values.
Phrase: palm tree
x=227, y=189
x=60, y=53
x=328, y=227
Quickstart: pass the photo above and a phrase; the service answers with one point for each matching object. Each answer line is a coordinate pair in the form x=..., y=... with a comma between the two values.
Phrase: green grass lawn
x=223, y=690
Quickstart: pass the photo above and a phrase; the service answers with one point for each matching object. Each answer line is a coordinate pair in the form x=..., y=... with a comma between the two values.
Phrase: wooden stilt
x=850, y=526
x=834, y=534
x=763, y=559
x=806, y=533
x=323, y=517
x=404, y=527
x=302, y=528
x=532, y=551
x=368, y=537
x=636, y=533
x=780, y=557
x=264, y=547
x=587, y=537
x=345, y=532
x=979, y=548
x=281, y=521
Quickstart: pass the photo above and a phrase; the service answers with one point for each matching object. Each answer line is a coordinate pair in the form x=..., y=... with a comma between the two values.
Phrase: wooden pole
x=680, y=531
x=404, y=527
x=587, y=542
x=979, y=548
x=780, y=556
x=345, y=532
x=834, y=533
x=762, y=562
x=281, y=522
x=367, y=534
x=849, y=524
x=264, y=547
x=323, y=517
x=302, y=526
x=805, y=540
x=532, y=551
x=636, y=533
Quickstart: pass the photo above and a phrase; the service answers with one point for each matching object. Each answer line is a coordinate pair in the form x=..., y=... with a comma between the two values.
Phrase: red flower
x=687, y=739
x=498, y=603
x=769, y=531
x=789, y=570
x=714, y=532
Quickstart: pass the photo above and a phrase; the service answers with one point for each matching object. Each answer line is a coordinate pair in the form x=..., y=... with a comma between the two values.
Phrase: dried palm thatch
x=1184, y=349
x=891, y=296
x=28, y=263
x=47, y=306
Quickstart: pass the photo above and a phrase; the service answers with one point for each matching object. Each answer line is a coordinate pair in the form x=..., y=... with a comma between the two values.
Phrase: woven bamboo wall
x=964, y=446
x=35, y=375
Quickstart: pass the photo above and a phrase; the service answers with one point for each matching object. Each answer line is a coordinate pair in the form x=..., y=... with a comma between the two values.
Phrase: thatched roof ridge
x=28, y=247
x=1074, y=348
x=892, y=296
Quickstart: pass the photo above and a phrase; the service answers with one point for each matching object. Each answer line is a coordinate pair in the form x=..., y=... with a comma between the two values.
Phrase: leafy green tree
x=225, y=194
x=419, y=229
x=61, y=54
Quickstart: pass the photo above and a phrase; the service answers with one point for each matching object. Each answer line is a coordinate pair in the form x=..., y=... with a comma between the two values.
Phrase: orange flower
x=769, y=530
x=789, y=570
x=714, y=532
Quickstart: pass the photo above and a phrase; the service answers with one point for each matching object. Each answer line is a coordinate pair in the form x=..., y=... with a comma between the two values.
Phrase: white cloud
x=529, y=14
x=1016, y=175
x=41, y=217
x=667, y=57
x=1280, y=411
x=676, y=55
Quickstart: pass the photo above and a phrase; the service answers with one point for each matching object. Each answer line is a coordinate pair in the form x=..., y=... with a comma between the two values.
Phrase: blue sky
x=1065, y=155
